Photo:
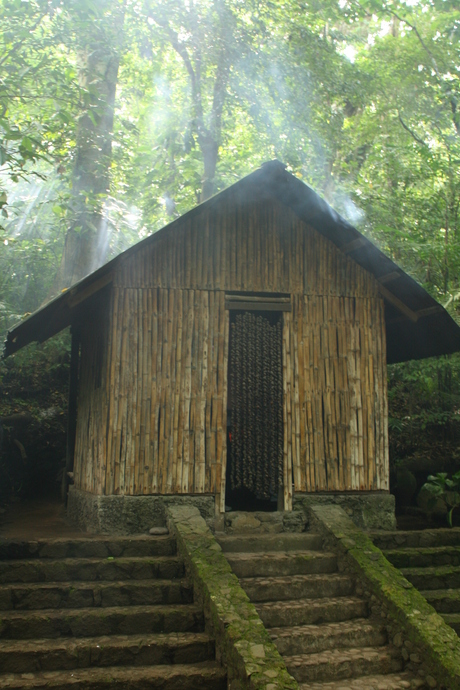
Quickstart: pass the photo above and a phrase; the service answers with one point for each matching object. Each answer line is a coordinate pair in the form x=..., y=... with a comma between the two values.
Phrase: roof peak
x=274, y=164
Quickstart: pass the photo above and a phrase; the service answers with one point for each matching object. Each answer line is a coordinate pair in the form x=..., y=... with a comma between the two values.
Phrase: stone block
x=368, y=510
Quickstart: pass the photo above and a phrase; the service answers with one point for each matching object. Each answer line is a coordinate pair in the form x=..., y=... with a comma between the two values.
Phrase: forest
x=117, y=116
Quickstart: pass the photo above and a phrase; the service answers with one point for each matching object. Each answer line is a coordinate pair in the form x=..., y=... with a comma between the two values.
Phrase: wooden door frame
x=235, y=302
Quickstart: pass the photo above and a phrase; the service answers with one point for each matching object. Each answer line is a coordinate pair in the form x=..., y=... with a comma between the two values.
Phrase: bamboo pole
x=187, y=392
x=221, y=399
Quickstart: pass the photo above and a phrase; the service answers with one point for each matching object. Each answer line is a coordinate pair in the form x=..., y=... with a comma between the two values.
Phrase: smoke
x=344, y=205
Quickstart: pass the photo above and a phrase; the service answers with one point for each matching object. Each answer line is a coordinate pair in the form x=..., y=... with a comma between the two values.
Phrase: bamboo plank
x=187, y=392
x=221, y=399
x=176, y=451
x=146, y=395
x=205, y=345
x=127, y=459
x=287, y=414
x=301, y=459
x=163, y=372
x=209, y=469
x=218, y=314
x=111, y=387
x=179, y=402
x=307, y=377
x=137, y=388
x=197, y=392
x=118, y=473
x=156, y=391
x=385, y=482
x=170, y=387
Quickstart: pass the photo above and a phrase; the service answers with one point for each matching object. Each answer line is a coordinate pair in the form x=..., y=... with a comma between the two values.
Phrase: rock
x=244, y=523
x=430, y=681
x=398, y=640
x=158, y=531
x=258, y=651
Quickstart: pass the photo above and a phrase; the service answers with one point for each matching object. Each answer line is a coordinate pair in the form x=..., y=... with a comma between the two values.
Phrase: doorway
x=255, y=411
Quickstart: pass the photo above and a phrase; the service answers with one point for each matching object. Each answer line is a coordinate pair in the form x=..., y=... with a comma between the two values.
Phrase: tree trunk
x=208, y=126
x=86, y=241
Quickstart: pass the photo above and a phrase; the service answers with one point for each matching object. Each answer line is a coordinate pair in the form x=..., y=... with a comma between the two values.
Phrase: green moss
x=422, y=625
x=240, y=635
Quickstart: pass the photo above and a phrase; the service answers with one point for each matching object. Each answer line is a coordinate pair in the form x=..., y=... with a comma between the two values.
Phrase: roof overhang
x=63, y=311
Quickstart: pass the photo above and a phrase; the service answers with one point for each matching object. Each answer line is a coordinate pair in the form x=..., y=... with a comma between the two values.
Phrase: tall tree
x=204, y=37
x=100, y=25
x=37, y=89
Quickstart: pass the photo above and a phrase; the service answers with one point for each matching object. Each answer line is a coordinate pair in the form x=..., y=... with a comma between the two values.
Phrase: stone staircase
x=430, y=560
x=319, y=624
x=99, y=613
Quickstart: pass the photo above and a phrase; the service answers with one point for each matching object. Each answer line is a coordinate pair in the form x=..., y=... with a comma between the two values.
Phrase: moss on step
x=253, y=662
x=438, y=643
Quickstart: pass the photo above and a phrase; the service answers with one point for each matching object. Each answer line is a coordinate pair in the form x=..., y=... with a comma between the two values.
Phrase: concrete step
x=424, y=557
x=261, y=589
x=444, y=577
x=337, y=664
x=281, y=564
x=416, y=538
x=317, y=638
x=310, y=611
x=204, y=676
x=100, y=547
x=286, y=541
x=74, y=595
x=452, y=619
x=443, y=600
x=393, y=681
x=90, y=569
x=92, y=622
x=118, y=650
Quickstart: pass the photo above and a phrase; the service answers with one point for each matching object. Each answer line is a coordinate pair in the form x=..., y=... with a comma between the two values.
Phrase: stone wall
x=125, y=515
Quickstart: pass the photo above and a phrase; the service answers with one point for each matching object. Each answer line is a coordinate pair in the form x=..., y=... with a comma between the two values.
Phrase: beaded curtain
x=257, y=382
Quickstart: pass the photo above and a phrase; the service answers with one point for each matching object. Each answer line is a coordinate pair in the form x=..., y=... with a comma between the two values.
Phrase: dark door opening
x=255, y=411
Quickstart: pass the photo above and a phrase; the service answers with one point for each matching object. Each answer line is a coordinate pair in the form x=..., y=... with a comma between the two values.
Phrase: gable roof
x=416, y=325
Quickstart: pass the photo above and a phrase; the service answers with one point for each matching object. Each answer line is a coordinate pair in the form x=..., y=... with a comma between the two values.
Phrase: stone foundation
x=368, y=510
x=128, y=514
x=264, y=523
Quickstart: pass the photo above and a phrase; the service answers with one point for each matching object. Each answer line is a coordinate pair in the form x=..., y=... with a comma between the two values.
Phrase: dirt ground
x=40, y=518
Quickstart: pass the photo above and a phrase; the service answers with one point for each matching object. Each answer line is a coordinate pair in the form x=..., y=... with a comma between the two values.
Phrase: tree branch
x=408, y=129
x=20, y=43
x=422, y=42
x=181, y=50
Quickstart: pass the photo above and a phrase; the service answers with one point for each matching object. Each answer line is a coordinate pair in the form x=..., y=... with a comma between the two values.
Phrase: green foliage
x=439, y=486
x=424, y=414
x=33, y=397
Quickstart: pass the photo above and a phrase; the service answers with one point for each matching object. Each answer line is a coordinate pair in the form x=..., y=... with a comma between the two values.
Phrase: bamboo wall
x=90, y=448
x=158, y=425
x=261, y=247
x=336, y=402
x=164, y=417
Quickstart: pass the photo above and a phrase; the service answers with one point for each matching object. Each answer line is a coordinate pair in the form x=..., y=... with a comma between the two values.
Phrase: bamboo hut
x=239, y=352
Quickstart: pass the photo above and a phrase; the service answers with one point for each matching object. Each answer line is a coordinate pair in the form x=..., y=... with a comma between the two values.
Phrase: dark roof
x=417, y=326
